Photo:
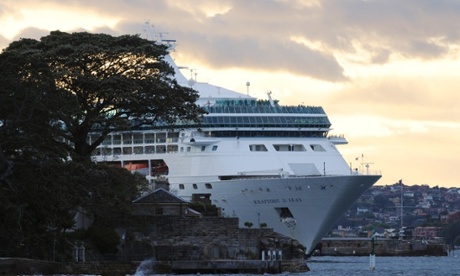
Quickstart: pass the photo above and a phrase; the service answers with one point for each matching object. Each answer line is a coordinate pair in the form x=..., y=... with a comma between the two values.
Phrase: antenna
x=247, y=87
x=269, y=94
x=154, y=36
x=364, y=164
x=367, y=166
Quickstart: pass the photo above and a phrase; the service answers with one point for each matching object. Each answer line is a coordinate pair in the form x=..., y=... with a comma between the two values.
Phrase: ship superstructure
x=254, y=159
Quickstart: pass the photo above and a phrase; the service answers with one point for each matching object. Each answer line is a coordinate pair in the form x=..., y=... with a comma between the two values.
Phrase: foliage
x=248, y=224
x=367, y=215
x=376, y=225
x=55, y=92
x=42, y=198
x=104, y=238
x=100, y=82
x=205, y=209
x=27, y=99
x=111, y=191
x=451, y=233
x=381, y=202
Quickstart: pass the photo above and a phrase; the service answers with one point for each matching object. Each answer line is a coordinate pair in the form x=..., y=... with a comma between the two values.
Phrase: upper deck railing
x=253, y=106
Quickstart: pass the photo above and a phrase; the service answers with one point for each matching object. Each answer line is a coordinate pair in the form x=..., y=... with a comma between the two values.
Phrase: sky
x=385, y=71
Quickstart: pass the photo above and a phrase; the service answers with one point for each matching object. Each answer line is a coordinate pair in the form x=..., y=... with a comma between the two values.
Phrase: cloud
x=412, y=98
x=3, y=42
x=262, y=55
x=257, y=35
x=418, y=157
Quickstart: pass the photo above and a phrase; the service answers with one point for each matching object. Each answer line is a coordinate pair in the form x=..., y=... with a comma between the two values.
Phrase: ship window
x=181, y=186
x=298, y=148
x=214, y=148
x=116, y=151
x=194, y=186
x=150, y=149
x=161, y=149
x=127, y=150
x=208, y=185
x=127, y=138
x=159, y=211
x=281, y=147
x=138, y=150
x=117, y=139
x=107, y=140
x=106, y=151
x=188, y=149
x=289, y=147
x=161, y=137
x=181, y=149
x=172, y=148
x=138, y=138
x=317, y=147
x=173, y=137
x=150, y=138
x=257, y=148
x=203, y=148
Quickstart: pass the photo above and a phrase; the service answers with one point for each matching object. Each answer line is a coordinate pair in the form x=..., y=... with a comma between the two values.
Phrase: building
x=162, y=203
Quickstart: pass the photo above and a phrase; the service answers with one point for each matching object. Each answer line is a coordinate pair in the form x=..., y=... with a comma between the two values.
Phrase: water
x=416, y=266
x=448, y=265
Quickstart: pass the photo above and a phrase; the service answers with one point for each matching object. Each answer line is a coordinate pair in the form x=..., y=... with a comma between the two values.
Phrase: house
x=427, y=232
x=360, y=210
x=162, y=203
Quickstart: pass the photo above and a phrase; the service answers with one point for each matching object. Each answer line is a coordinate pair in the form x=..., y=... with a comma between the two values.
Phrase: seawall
x=381, y=247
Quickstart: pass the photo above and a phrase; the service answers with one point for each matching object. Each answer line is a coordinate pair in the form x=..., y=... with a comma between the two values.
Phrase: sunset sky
x=387, y=72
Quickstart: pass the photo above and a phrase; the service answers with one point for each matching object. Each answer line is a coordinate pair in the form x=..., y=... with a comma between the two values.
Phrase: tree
x=53, y=93
x=451, y=233
x=27, y=99
x=248, y=224
x=107, y=83
x=42, y=198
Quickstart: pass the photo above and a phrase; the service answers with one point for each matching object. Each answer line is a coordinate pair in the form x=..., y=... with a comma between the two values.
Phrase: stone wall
x=381, y=247
x=213, y=238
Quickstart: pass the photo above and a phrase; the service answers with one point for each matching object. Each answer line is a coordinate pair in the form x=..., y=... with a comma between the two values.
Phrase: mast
x=401, y=231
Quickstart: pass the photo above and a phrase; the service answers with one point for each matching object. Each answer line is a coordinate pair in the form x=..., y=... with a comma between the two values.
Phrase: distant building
x=454, y=216
x=408, y=194
x=426, y=232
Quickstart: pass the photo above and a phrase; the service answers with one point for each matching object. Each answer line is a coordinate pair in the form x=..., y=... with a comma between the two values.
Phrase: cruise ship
x=268, y=164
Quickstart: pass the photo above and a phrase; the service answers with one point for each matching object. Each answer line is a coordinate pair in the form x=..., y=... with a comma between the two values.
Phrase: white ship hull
x=314, y=203
x=314, y=187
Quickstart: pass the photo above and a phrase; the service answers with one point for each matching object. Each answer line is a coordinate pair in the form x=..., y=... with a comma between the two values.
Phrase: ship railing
x=365, y=172
x=336, y=136
x=276, y=176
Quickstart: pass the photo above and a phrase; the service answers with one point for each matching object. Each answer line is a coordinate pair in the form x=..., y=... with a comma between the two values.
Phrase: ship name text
x=277, y=200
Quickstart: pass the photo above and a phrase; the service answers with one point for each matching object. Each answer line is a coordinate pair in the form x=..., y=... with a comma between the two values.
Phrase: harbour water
x=416, y=266
x=446, y=265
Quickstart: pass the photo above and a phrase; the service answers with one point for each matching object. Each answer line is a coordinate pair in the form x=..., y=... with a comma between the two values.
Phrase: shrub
x=104, y=238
